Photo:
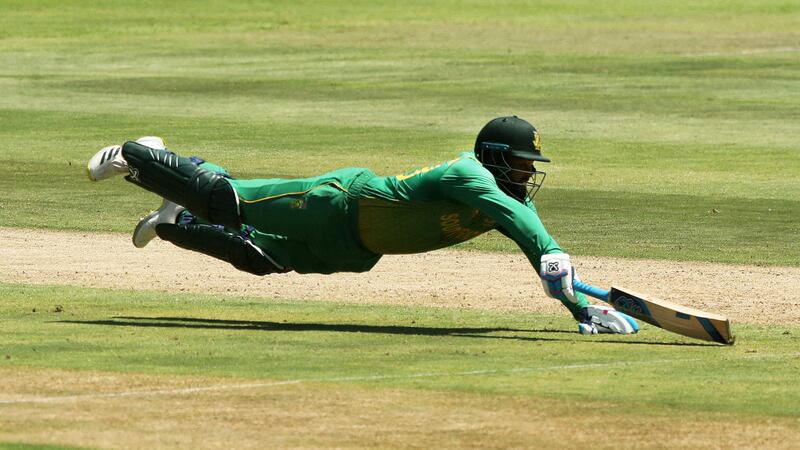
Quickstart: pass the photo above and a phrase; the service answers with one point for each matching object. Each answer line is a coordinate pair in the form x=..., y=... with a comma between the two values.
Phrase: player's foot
x=146, y=228
x=607, y=320
x=106, y=163
x=109, y=161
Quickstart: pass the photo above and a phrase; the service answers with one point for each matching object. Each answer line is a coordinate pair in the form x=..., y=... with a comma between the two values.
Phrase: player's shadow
x=466, y=332
x=192, y=322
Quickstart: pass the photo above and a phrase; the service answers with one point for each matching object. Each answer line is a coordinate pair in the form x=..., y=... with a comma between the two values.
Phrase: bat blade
x=671, y=316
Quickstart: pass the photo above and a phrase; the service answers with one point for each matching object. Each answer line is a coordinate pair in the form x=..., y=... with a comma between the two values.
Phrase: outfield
x=673, y=130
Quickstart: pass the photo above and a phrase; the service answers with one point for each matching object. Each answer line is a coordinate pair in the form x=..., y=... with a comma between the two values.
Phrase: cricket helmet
x=506, y=137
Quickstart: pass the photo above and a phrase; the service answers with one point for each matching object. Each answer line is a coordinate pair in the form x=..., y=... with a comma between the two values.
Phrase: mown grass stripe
x=224, y=387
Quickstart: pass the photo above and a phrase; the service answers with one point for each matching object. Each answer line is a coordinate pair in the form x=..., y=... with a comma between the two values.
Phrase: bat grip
x=588, y=289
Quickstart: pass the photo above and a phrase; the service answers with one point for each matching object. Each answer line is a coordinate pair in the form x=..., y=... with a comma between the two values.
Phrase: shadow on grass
x=466, y=332
x=191, y=322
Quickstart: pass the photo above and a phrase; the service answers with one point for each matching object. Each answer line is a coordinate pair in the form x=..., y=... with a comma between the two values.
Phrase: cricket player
x=345, y=220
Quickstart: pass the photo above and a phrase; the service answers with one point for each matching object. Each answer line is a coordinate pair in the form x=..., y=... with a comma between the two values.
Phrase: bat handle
x=600, y=294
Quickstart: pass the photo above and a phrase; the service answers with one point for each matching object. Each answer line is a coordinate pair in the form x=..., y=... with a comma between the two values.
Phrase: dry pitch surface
x=148, y=411
x=451, y=279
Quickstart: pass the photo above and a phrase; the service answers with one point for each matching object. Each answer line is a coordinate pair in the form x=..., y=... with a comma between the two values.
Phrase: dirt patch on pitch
x=763, y=295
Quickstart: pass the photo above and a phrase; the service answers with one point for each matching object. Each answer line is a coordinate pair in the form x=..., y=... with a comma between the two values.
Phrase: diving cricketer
x=345, y=220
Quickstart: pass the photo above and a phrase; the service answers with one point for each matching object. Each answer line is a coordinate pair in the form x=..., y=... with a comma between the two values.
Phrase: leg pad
x=206, y=194
x=221, y=244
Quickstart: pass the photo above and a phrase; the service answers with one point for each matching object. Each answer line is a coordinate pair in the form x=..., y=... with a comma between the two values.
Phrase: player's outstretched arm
x=557, y=275
x=469, y=183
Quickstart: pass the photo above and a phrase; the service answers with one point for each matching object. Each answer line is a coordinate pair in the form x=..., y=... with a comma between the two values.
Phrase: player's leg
x=145, y=230
x=315, y=211
x=203, y=164
x=292, y=253
x=300, y=208
x=180, y=180
x=312, y=214
x=109, y=162
x=206, y=194
x=249, y=250
x=222, y=244
x=169, y=212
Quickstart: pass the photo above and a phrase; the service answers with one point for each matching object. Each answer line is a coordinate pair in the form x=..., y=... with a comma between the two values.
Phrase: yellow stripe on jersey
x=289, y=194
x=406, y=176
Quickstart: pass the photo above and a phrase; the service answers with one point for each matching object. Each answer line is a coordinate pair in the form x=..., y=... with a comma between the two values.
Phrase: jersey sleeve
x=468, y=182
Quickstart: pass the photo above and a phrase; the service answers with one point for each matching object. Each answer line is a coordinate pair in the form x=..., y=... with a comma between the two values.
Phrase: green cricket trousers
x=308, y=224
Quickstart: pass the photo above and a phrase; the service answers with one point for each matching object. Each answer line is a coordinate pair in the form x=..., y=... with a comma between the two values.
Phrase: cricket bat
x=663, y=314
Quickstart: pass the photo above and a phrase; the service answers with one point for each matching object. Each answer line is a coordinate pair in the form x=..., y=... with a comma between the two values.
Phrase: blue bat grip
x=587, y=289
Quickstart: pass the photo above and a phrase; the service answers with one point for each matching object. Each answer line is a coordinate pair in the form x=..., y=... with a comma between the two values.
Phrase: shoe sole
x=146, y=221
x=107, y=155
x=140, y=226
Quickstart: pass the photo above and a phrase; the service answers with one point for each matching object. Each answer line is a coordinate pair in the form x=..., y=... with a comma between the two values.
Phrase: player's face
x=517, y=177
x=521, y=169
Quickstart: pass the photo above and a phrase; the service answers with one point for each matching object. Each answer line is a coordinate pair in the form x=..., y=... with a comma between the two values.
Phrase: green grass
x=394, y=347
x=669, y=226
x=656, y=116
x=673, y=132
x=22, y=446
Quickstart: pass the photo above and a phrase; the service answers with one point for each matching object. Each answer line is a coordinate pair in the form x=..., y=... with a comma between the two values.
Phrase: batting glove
x=598, y=319
x=556, y=274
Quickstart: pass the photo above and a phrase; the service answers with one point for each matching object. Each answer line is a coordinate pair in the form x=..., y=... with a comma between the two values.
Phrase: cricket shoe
x=145, y=230
x=607, y=320
x=109, y=161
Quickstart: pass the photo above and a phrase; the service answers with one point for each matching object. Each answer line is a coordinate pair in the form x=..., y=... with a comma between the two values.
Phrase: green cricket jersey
x=350, y=215
x=346, y=219
x=442, y=205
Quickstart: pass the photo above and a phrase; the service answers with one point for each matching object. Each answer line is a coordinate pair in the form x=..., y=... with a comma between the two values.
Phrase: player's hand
x=556, y=273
